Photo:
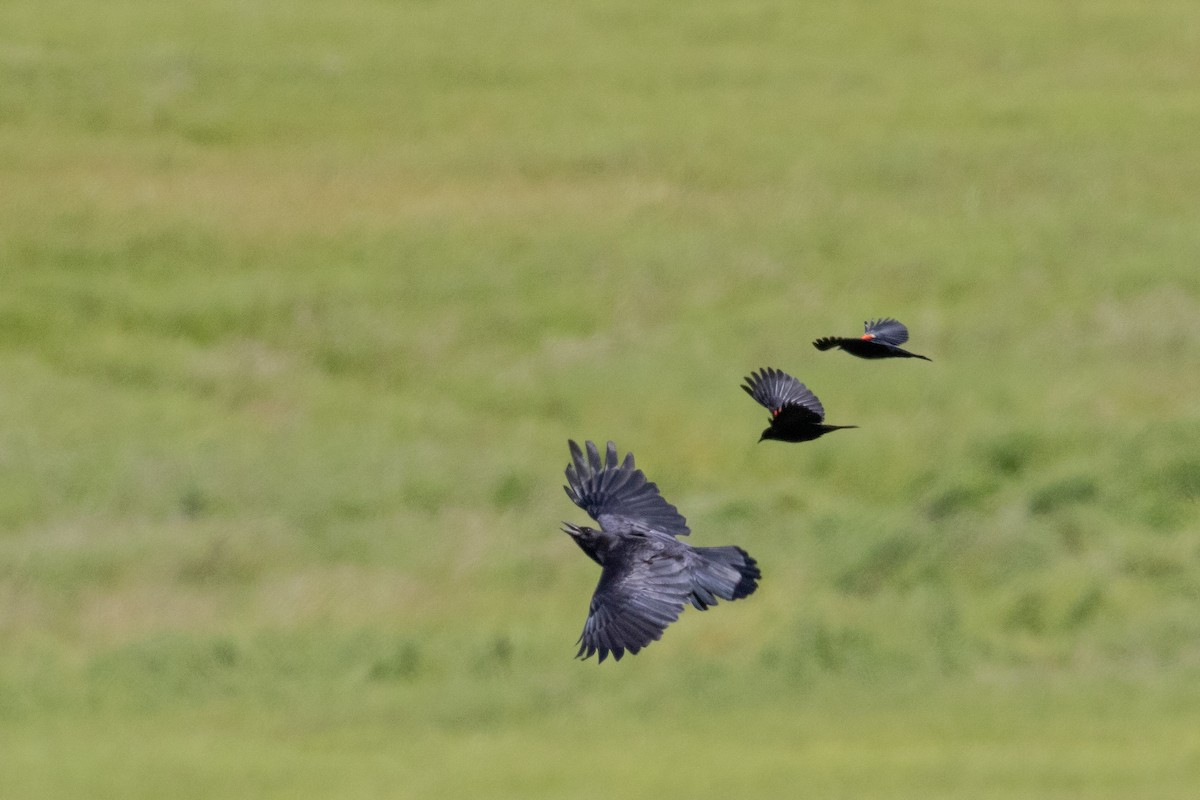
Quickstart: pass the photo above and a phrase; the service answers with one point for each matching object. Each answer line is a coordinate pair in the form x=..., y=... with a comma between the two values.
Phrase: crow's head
x=588, y=539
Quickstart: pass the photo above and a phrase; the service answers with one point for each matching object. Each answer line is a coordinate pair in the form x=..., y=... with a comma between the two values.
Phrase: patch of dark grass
x=1084, y=609
x=883, y=565
x=1027, y=613
x=945, y=631
x=401, y=663
x=164, y=667
x=426, y=494
x=513, y=490
x=838, y=649
x=956, y=500
x=736, y=511
x=1061, y=493
x=1153, y=566
x=495, y=657
x=1181, y=479
x=824, y=647
x=1011, y=455
x=194, y=502
x=1073, y=535
x=219, y=564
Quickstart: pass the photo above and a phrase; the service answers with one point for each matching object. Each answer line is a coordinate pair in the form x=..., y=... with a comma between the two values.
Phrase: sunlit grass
x=299, y=309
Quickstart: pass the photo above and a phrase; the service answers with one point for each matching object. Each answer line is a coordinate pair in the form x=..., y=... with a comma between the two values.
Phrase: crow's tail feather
x=728, y=573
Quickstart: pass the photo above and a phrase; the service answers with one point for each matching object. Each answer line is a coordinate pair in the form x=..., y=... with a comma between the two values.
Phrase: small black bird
x=882, y=339
x=796, y=413
x=647, y=573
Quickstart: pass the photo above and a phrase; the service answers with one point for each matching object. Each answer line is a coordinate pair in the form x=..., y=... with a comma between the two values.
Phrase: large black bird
x=796, y=413
x=881, y=339
x=647, y=574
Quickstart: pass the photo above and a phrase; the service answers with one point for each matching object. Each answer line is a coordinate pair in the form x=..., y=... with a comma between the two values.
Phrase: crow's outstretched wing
x=778, y=391
x=640, y=593
x=618, y=495
x=886, y=331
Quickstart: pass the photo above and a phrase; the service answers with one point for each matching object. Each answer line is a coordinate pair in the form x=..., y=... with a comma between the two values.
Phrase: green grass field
x=300, y=303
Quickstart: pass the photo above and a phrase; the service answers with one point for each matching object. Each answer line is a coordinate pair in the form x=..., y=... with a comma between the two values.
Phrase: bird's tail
x=826, y=342
x=725, y=572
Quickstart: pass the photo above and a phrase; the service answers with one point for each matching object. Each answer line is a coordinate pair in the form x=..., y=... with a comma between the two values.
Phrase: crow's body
x=647, y=574
x=796, y=413
x=881, y=339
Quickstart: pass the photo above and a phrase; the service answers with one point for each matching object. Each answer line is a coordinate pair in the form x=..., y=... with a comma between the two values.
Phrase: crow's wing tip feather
x=620, y=492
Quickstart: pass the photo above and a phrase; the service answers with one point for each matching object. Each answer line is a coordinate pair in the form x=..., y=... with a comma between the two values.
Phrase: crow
x=647, y=574
x=881, y=339
x=796, y=413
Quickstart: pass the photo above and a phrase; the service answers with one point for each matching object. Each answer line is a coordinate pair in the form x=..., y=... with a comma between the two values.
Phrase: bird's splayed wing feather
x=617, y=494
x=886, y=330
x=776, y=390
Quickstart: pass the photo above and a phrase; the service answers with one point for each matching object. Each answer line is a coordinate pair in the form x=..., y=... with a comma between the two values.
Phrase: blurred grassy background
x=301, y=302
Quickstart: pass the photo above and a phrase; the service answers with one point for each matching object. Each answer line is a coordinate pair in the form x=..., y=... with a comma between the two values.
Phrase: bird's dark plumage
x=619, y=495
x=881, y=339
x=647, y=575
x=796, y=413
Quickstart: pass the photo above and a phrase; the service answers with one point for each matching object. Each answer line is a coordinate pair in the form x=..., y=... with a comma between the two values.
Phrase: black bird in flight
x=881, y=339
x=796, y=413
x=647, y=574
